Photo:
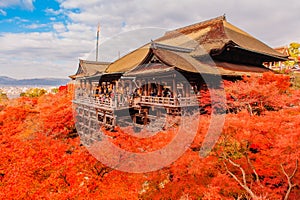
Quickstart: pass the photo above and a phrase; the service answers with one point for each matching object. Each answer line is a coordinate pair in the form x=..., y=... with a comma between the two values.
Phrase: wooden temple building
x=165, y=76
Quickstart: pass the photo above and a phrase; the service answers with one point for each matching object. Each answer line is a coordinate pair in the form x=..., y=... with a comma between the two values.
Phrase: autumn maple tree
x=256, y=156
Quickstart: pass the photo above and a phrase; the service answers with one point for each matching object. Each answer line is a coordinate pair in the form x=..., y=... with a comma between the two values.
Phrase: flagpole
x=97, y=45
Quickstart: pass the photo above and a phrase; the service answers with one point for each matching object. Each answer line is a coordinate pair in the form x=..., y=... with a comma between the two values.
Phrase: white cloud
x=56, y=53
x=27, y=4
x=268, y=20
x=2, y=12
x=5, y=4
x=24, y=4
x=70, y=4
x=16, y=20
x=34, y=54
x=51, y=11
x=35, y=26
x=59, y=27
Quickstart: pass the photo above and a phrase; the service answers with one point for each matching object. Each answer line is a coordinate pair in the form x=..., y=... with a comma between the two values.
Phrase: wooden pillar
x=80, y=83
x=104, y=117
x=114, y=123
x=121, y=91
x=139, y=84
x=114, y=91
x=80, y=89
x=145, y=121
x=145, y=88
x=90, y=88
x=85, y=84
x=198, y=87
x=95, y=87
x=159, y=89
x=130, y=87
x=90, y=121
x=117, y=94
x=188, y=90
x=174, y=86
x=117, y=86
x=149, y=88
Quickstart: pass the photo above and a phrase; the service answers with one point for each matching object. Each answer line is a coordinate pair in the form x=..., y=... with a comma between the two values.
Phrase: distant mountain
x=4, y=80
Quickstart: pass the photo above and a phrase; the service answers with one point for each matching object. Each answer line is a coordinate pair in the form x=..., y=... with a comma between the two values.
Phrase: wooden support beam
x=174, y=87
x=149, y=87
x=130, y=87
x=188, y=90
x=159, y=92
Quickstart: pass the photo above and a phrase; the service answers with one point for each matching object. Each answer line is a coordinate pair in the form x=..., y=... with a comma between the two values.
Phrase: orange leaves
x=282, y=82
x=259, y=94
x=47, y=164
x=128, y=140
x=56, y=113
x=40, y=161
x=268, y=140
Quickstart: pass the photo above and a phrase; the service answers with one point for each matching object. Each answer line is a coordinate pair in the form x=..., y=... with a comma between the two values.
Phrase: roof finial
x=153, y=45
x=224, y=16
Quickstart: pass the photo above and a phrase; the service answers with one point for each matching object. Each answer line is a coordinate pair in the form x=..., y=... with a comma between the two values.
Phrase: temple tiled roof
x=223, y=42
x=89, y=68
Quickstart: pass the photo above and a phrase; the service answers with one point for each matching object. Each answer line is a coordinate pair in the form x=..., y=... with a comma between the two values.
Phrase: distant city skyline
x=46, y=38
x=14, y=91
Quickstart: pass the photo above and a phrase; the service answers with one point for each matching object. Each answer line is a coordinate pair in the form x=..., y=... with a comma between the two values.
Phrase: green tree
x=3, y=96
x=34, y=92
x=294, y=52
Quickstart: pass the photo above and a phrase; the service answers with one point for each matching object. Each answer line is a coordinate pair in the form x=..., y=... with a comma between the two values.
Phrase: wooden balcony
x=169, y=101
x=106, y=104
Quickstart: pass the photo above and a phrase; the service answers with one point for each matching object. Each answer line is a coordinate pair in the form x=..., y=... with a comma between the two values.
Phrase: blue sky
x=22, y=18
x=46, y=38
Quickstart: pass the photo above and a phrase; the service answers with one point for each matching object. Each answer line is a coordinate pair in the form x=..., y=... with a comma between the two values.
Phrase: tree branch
x=242, y=184
x=249, y=109
x=289, y=179
x=254, y=171
x=241, y=169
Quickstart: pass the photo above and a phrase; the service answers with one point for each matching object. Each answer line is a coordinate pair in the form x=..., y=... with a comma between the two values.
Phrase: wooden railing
x=189, y=101
x=96, y=102
x=168, y=101
x=108, y=102
x=157, y=100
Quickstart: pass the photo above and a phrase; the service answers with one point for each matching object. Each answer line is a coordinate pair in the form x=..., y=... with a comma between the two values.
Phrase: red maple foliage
x=255, y=157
